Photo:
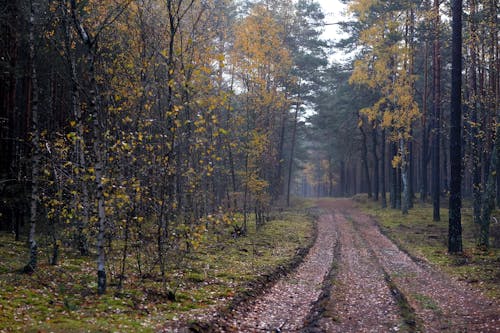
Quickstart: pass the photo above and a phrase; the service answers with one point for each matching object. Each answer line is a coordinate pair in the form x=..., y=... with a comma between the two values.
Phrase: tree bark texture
x=35, y=143
x=455, y=225
x=436, y=128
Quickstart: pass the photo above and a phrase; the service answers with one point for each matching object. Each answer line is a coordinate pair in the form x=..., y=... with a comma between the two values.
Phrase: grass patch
x=427, y=303
x=422, y=238
x=63, y=298
x=410, y=320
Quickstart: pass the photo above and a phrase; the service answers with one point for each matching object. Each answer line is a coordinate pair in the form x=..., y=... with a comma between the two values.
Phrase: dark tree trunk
x=394, y=178
x=364, y=158
x=488, y=204
x=375, y=164
x=404, y=177
x=343, y=184
x=425, y=155
x=411, y=175
x=474, y=128
x=424, y=179
x=436, y=128
x=455, y=225
x=445, y=187
x=382, y=171
x=398, y=185
x=9, y=113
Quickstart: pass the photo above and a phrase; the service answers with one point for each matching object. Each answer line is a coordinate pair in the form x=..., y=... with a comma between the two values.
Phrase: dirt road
x=376, y=287
x=285, y=306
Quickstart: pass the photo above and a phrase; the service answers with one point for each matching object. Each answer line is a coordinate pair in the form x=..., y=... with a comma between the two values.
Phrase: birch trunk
x=35, y=142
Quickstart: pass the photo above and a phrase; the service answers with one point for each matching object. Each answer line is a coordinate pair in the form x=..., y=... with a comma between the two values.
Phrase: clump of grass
x=410, y=320
x=427, y=303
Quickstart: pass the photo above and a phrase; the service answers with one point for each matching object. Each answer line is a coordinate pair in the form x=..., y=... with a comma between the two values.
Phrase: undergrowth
x=63, y=298
x=417, y=234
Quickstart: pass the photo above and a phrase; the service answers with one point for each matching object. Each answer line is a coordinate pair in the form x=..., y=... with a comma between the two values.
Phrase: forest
x=145, y=142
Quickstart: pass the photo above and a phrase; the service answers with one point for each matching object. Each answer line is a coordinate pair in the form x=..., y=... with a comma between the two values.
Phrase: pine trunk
x=436, y=130
x=375, y=164
x=474, y=130
x=382, y=171
x=455, y=225
x=404, y=177
x=424, y=158
x=364, y=158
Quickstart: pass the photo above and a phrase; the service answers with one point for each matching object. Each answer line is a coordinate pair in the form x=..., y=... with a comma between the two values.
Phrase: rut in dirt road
x=360, y=300
x=285, y=306
x=441, y=304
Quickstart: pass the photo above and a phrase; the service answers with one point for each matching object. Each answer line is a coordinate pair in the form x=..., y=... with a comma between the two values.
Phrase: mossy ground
x=63, y=298
x=420, y=236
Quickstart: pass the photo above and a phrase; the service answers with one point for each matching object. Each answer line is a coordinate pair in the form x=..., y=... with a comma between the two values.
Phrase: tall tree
x=455, y=204
x=436, y=115
x=35, y=141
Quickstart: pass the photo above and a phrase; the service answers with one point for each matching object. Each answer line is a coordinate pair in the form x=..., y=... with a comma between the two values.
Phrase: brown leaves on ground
x=376, y=288
x=285, y=306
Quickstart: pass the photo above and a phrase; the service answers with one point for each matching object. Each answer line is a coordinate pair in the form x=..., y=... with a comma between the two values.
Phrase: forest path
x=379, y=288
x=376, y=287
x=285, y=306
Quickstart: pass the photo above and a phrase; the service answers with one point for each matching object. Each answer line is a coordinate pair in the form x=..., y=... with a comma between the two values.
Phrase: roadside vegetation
x=426, y=240
x=209, y=278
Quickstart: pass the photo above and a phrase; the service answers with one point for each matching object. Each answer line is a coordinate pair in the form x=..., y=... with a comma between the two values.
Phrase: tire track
x=442, y=304
x=361, y=299
x=285, y=306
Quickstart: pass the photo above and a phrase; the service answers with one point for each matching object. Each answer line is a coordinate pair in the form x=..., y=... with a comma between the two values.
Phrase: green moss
x=63, y=298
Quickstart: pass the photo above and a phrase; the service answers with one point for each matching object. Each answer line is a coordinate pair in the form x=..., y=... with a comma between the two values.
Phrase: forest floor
x=221, y=272
x=355, y=279
x=388, y=273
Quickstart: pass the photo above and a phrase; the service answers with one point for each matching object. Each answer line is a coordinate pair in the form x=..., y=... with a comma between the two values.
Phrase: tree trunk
x=292, y=152
x=436, y=130
x=424, y=180
x=382, y=171
x=455, y=226
x=99, y=173
x=83, y=221
x=94, y=107
x=474, y=128
x=364, y=158
x=35, y=143
x=404, y=177
x=445, y=184
x=488, y=204
x=375, y=164
x=411, y=175
x=394, y=178
x=399, y=181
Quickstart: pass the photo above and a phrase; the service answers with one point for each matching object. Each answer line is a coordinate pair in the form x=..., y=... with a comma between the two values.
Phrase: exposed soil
x=376, y=288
